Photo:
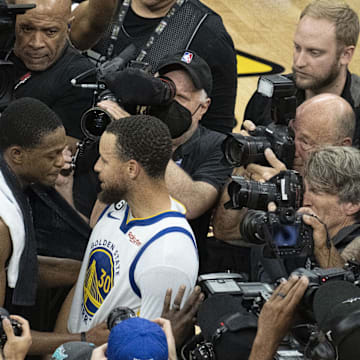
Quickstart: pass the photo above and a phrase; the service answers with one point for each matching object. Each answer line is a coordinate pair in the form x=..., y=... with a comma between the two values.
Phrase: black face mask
x=177, y=118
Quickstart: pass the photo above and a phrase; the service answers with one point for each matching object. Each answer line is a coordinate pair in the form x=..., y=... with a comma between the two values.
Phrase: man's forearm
x=91, y=19
x=46, y=342
x=2, y=287
x=226, y=222
x=197, y=196
x=328, y=258
x=58, y=272
x=263, y=349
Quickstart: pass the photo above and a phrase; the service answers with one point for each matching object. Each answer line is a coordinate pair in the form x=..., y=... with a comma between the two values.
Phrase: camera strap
x=117, y=25
x=234, y=323
x=346, y=235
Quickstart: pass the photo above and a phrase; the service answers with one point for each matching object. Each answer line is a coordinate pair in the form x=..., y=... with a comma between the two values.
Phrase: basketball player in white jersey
x=142, y=244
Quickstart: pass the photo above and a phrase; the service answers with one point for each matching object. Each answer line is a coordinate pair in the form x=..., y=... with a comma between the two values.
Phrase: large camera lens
x=241, y=150
x=94, y=122
x=251, y=194
x=251, y=227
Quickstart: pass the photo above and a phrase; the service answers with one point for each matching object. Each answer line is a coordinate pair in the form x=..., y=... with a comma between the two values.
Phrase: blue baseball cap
x=137, y=339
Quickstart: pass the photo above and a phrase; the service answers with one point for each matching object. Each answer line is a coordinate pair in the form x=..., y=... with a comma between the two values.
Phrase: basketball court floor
x=264, y=29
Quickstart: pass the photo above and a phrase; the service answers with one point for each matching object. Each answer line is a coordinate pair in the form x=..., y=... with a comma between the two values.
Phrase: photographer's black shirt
x=211, y=42
x=258, y=109
x=202, y=158
x=52, y=86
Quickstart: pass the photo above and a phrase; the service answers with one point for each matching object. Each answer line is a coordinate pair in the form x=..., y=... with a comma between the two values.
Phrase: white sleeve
x=169, y=262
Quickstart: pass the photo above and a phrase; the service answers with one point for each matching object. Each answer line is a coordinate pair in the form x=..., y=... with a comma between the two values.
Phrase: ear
x=16, y=155
x=70, y=21
x=347, y=54
x=133, y=169
x=350, y=208
x=346, y=142
x=204, y=106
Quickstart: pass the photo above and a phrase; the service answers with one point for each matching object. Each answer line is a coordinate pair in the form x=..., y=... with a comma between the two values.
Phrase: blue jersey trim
x=102, y=213
x=145, y=222
x=141, y=251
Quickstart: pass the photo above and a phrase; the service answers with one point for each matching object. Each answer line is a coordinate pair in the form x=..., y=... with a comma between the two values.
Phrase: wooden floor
x=265, y=28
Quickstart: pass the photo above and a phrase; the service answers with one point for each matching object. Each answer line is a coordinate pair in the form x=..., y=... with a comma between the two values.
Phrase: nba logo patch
x=187, y=57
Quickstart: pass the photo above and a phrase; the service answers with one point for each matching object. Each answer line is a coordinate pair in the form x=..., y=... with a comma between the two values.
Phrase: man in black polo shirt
x=45, y=62
x=324, y=44
x=197, y=173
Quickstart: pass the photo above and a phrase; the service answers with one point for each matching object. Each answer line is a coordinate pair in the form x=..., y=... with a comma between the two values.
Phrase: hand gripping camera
x=4, y=314
x=242, y=150
x=283, y=231
x=327, y=325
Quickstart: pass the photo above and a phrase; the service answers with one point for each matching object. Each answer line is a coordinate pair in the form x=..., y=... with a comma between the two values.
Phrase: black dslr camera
x=283, y=231
x=284, y=189
x=7, y=34
x=4, y=314
x=252, y=296
x=318, y=277
x=241, y=150
x=318, y=332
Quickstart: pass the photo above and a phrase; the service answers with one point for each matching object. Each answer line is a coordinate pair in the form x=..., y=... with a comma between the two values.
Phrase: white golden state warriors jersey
x=131, y=262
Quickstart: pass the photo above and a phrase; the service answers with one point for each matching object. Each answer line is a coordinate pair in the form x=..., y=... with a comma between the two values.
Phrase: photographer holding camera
x=16, y=345
x=331, y=207
x=332, y=198
x=334, y=125
x=159, y=28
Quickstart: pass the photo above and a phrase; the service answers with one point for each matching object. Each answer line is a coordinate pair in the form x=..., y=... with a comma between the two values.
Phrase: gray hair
x=335, y=170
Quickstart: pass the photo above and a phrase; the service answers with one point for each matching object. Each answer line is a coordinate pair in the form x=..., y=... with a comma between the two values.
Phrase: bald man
x=45, y=61
x=325, y=119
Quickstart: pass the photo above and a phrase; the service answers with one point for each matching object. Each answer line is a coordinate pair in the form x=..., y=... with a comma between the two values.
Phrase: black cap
x=196, y=66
